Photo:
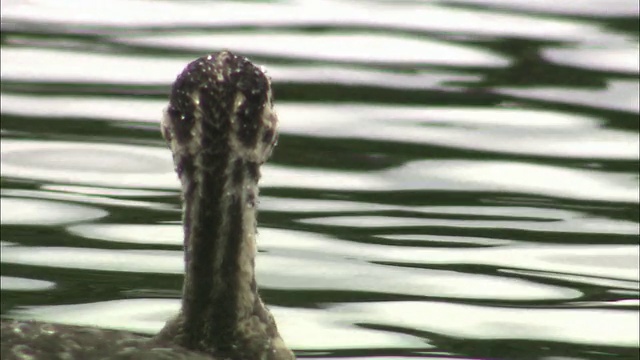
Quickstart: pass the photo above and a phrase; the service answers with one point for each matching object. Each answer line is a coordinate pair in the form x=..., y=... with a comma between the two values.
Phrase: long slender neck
x=220, y=126
x=220, y=225
x=222, y=313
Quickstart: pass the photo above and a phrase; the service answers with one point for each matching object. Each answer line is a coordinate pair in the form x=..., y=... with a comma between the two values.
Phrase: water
x=454, y=179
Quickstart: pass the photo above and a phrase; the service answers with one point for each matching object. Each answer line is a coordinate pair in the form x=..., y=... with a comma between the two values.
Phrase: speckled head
x=221, y=104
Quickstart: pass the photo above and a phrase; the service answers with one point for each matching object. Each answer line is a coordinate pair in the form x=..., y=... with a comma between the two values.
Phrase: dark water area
x=453, y=179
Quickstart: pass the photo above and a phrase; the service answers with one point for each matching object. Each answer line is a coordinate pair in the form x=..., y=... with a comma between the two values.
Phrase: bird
x=221, y=126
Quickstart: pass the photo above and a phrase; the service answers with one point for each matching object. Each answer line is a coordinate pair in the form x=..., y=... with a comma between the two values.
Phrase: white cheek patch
x=194, y=144
x=238, y=149
x=268, y=122
x=167, y=133
x=165, y=125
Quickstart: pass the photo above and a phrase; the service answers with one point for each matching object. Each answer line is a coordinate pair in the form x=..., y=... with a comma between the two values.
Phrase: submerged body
x=35, y=340
x=220, y=126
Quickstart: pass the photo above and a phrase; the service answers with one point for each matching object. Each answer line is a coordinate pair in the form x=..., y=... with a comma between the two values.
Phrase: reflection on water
x=454, y=180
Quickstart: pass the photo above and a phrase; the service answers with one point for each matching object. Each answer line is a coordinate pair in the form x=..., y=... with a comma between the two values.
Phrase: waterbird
x=220, y=125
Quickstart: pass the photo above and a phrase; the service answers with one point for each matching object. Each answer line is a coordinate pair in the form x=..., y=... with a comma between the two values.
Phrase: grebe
x=221, y=126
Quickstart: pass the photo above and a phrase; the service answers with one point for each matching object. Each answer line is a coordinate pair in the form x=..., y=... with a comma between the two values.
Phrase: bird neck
x=222, y=313
x=219, y=291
